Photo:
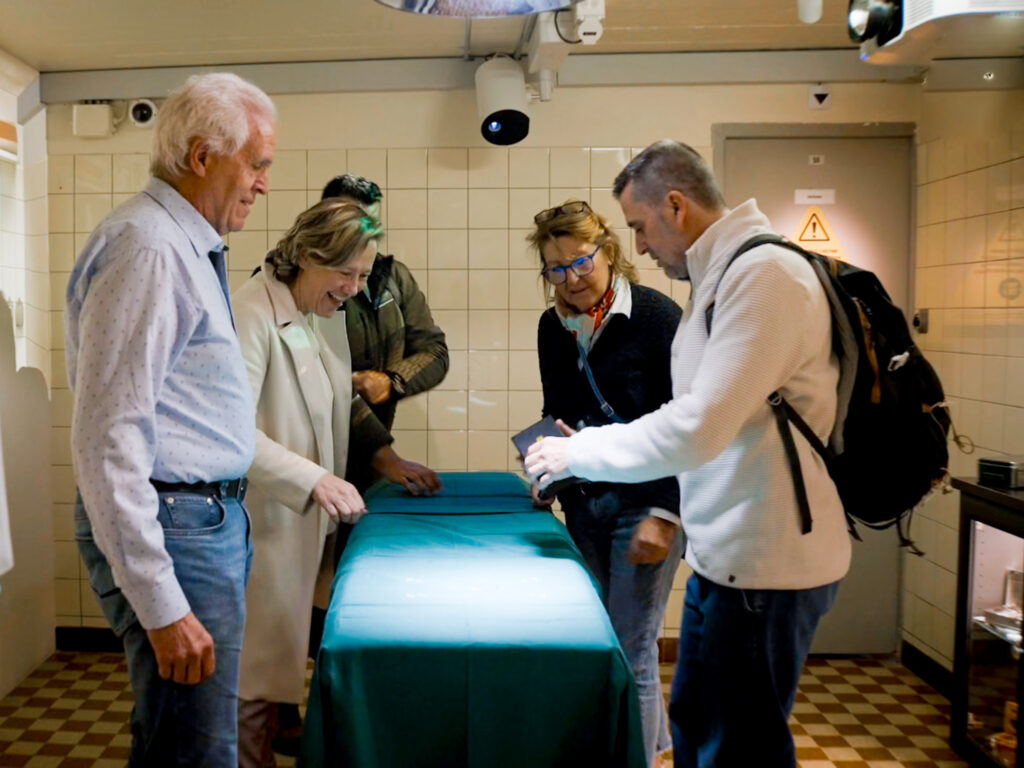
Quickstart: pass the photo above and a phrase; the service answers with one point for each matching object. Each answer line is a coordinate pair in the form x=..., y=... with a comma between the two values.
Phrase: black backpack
x=888, y=449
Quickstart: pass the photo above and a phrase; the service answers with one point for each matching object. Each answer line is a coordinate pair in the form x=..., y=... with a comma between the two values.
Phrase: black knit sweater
x=630, y=361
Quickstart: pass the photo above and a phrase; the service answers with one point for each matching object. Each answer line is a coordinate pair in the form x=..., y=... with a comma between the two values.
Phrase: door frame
x=721, y=132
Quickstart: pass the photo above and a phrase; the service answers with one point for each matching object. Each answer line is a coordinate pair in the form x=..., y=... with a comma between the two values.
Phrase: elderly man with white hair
x=163, y=429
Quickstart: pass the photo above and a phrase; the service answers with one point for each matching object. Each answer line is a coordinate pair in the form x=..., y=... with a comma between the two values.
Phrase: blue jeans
x=740, y=657
x=172, y=724
x=635, y=597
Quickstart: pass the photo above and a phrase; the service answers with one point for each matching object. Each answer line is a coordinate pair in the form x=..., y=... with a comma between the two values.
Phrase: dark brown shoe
x=287, y=741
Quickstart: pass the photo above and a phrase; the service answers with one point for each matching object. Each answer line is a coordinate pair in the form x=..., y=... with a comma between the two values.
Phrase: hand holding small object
x=548, y=461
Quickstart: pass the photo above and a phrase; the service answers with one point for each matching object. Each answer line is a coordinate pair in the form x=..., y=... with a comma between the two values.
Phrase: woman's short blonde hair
x=330, y=234
x=585, y=224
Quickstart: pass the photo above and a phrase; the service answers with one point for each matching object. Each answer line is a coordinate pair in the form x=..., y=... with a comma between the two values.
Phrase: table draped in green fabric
x=465, y=632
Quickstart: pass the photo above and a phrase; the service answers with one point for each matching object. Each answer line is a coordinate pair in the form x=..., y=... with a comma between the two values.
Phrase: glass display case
x=987, y=664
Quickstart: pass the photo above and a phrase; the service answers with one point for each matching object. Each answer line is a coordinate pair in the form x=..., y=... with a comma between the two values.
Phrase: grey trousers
x=257, y=724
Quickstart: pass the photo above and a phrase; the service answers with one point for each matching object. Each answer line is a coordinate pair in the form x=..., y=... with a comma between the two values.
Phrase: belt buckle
x=234, y=489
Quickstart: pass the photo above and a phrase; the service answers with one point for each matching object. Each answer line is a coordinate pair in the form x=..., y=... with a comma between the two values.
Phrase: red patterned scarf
x=600, y=310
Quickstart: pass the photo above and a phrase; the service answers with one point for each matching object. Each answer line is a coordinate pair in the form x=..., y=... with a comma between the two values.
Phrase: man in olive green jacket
x=397, y=350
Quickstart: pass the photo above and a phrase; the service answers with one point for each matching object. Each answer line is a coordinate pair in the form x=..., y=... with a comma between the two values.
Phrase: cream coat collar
x=281, y=301
x=295, y=332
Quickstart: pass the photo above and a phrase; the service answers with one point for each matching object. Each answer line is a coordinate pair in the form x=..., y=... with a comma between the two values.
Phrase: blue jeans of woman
x=172, y=724
x=635, y=597
x=740, y=657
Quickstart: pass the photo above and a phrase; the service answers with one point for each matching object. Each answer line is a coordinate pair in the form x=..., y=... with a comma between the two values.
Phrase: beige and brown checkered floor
x=72, y=712
x=869, y=713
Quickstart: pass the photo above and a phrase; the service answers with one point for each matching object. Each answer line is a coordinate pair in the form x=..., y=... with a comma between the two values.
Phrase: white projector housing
x=501, y=101
x=952, y=29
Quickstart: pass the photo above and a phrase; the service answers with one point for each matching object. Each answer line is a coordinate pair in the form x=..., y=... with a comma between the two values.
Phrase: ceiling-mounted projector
x=501, y=101
x=914, y=32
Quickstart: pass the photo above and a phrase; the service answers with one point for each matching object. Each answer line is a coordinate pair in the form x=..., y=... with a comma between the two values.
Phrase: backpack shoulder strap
x=844, y=339
x=785, y=414
x=753, y=242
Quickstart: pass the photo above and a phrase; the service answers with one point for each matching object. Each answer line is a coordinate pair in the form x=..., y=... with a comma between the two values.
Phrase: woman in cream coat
x=304, y=406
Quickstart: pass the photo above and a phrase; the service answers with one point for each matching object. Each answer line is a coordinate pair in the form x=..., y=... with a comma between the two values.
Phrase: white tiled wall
x=456, y=216
x=24, y=254
x=12, y=232
x=27, y=615
x=24, y=262
x=456, y=212
x=37, y=260
x=970, y=276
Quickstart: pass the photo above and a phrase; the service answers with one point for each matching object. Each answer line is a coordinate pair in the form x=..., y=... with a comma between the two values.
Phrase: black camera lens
x=142, y=111
x=504, y=127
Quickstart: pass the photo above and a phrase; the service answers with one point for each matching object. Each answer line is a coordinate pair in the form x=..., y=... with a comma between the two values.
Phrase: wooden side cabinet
x=987, y=664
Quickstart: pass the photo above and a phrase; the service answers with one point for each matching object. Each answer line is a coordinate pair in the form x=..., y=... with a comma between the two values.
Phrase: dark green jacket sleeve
x=366, y=435
x=425, y=363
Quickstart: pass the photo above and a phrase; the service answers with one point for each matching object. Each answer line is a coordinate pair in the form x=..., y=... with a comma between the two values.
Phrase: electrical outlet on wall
x=920, y=321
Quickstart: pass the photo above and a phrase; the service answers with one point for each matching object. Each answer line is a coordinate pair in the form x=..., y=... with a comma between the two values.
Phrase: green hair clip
x=370, y=226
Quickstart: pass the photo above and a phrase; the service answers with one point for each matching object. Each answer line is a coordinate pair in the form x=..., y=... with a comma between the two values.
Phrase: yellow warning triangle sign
x=813, y=231
x=815, y=234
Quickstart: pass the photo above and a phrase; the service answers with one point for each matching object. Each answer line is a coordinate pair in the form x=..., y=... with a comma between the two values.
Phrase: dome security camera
x=142, y=112
x=501, y=101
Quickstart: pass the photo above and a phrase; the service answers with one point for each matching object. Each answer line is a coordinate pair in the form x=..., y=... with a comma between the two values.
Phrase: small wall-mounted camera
x=920, y=321
x=142, y=112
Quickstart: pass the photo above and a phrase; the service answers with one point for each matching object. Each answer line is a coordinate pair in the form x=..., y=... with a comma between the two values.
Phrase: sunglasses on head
x=566, y=209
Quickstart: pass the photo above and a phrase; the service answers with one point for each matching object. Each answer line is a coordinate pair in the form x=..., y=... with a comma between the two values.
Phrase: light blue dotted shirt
x=160, y=386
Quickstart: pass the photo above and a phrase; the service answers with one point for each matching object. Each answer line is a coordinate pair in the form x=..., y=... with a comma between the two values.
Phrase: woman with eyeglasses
x=604, y=347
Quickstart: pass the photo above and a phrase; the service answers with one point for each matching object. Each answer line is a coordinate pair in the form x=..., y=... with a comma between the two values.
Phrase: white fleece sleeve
x=757, y=343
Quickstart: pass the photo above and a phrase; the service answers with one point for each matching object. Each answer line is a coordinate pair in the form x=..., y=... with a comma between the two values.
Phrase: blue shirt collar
x=202, y=234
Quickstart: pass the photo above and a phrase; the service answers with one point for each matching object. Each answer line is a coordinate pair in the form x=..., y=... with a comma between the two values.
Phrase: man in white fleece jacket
x=759, y=585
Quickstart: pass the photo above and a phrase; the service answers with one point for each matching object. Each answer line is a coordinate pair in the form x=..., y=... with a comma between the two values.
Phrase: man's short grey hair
x=219, y=108
x=670, y=165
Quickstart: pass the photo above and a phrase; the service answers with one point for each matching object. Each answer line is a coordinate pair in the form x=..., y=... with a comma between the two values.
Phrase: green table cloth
x=465, y=632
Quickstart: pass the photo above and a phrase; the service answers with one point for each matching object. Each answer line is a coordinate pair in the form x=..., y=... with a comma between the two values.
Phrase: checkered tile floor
x=72, y=712
x=864, y=713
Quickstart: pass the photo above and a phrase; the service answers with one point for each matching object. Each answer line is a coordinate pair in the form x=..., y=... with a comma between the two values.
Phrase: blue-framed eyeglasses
x=581, y=267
